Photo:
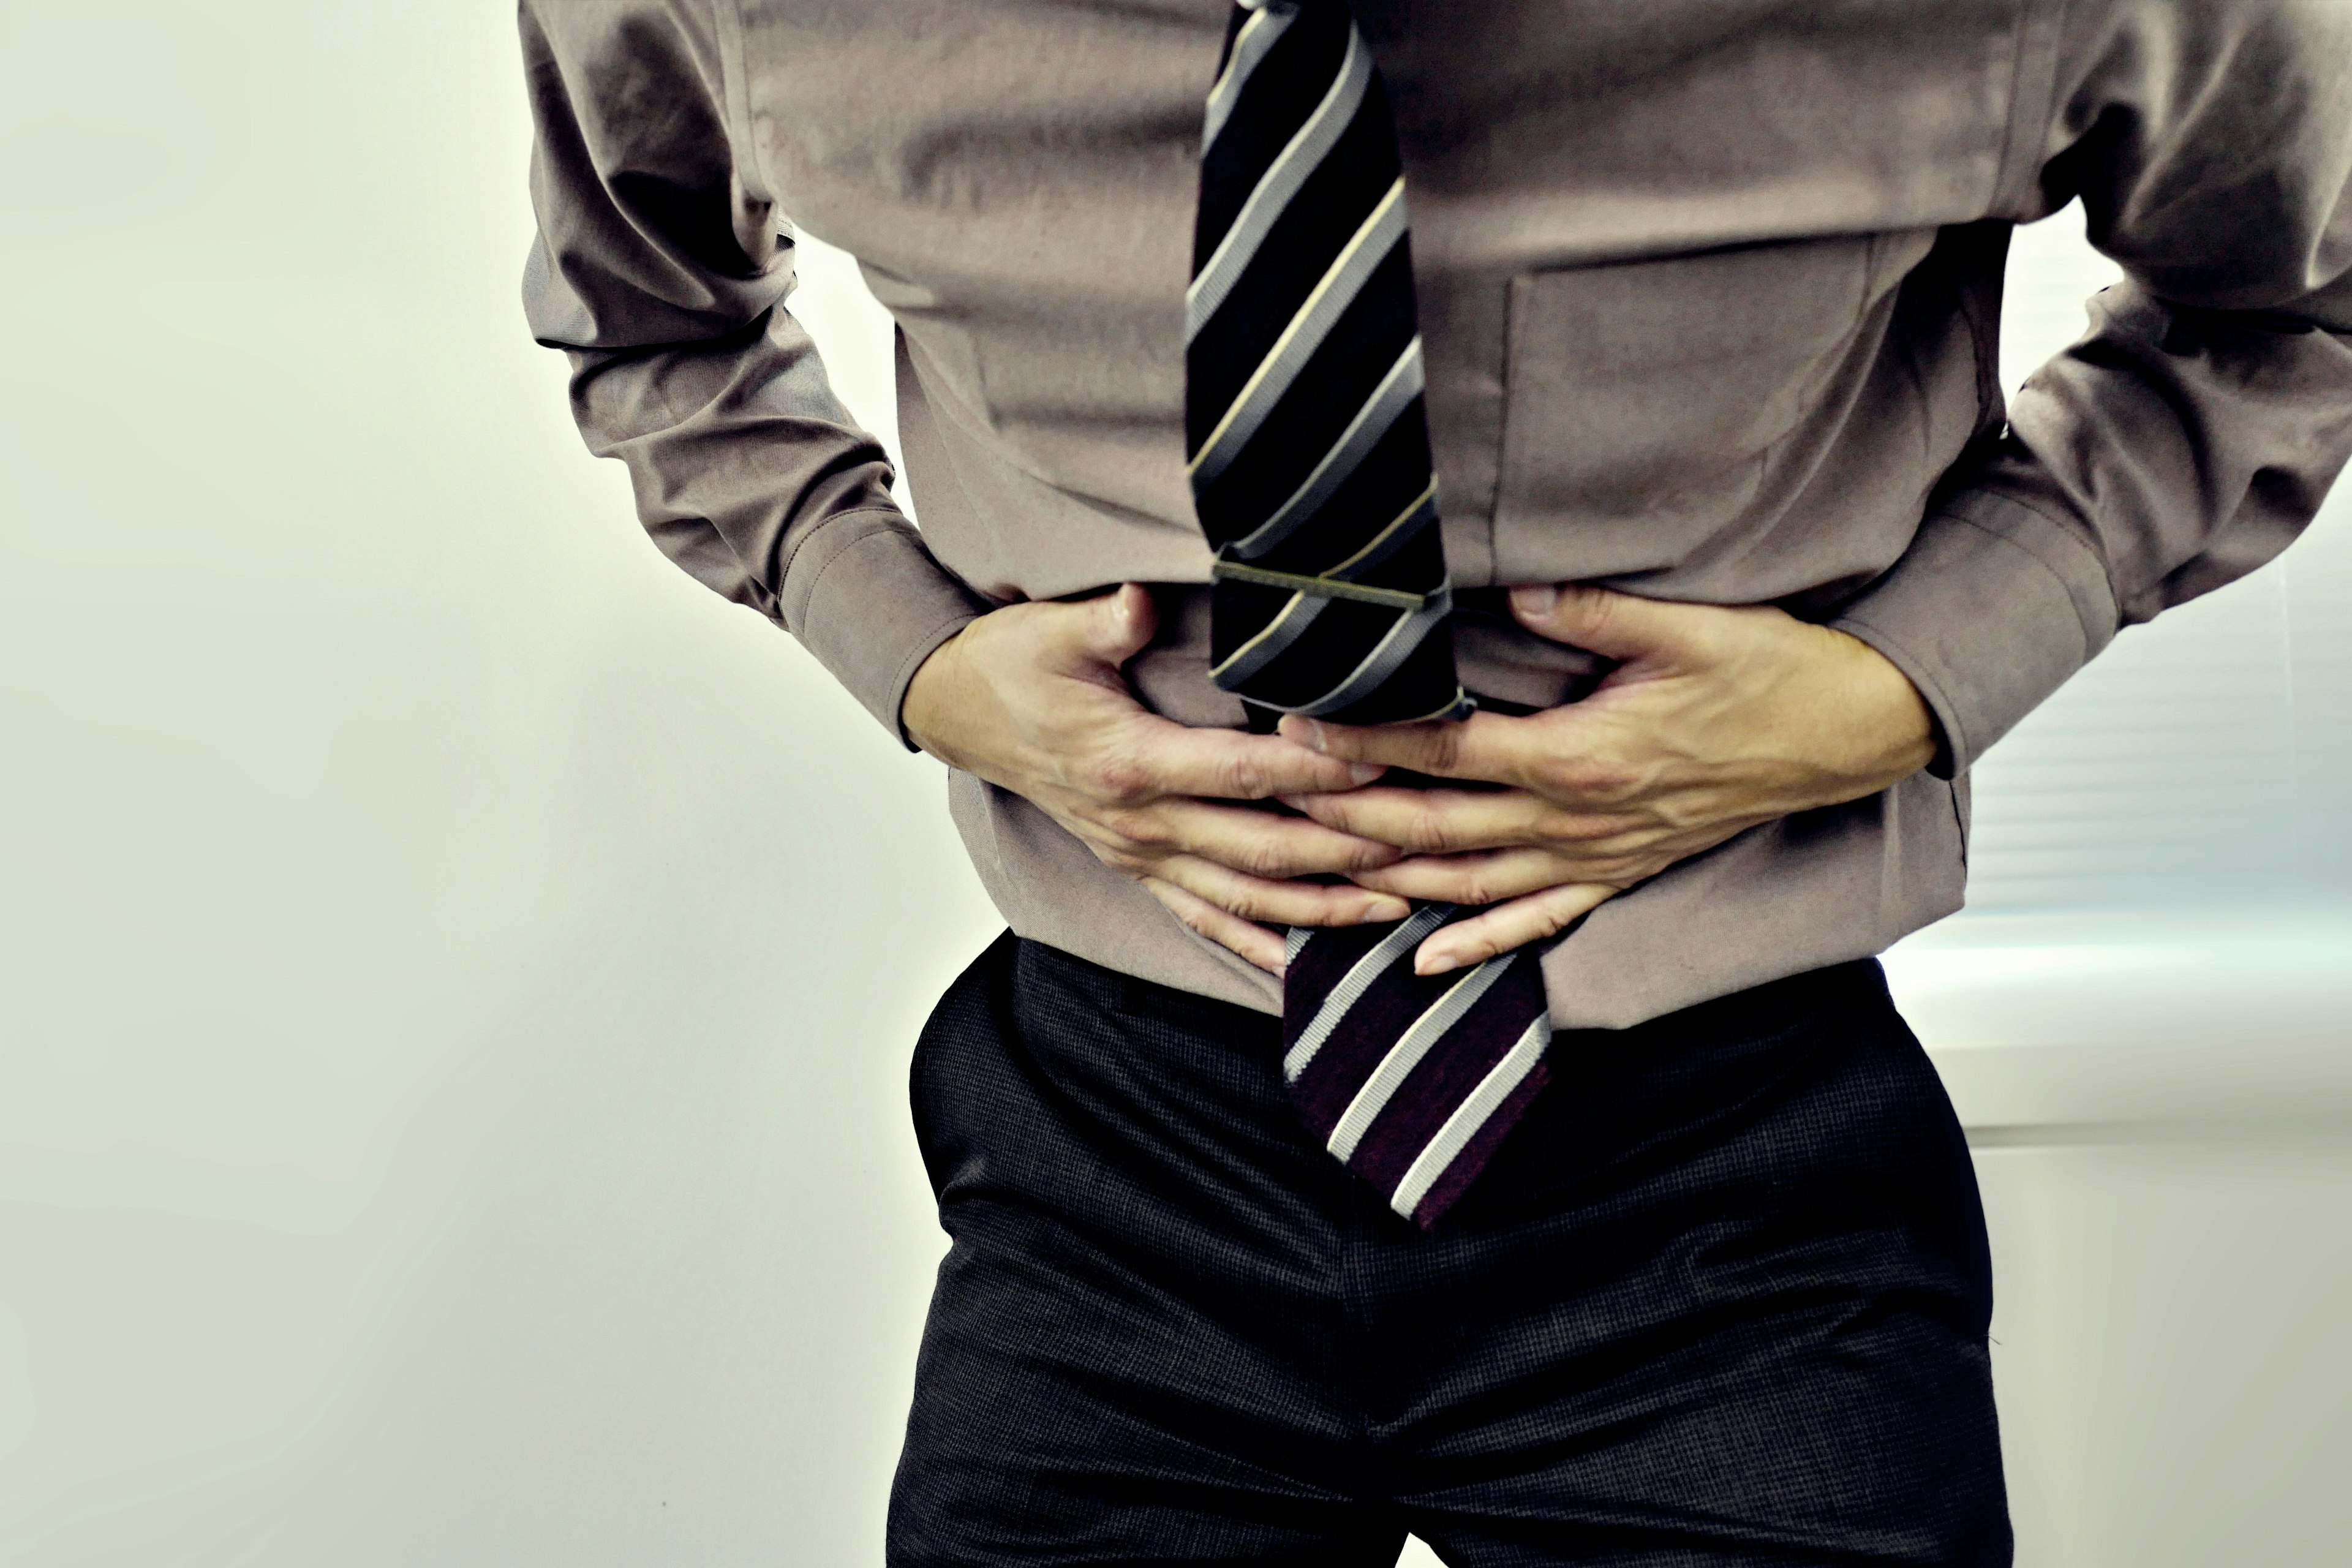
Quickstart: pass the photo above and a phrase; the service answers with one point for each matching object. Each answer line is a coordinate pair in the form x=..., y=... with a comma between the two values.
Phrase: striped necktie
x=1309, y=451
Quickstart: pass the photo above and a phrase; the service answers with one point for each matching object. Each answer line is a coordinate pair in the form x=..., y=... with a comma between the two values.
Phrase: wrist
x=1892, y=721
x=930, y=699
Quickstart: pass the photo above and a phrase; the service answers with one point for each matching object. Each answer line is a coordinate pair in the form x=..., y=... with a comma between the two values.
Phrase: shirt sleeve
x=661, y=268
x=2195, y=429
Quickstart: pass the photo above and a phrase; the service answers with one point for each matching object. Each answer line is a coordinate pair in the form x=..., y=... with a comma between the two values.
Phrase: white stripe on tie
x=1355, y=982
x=1388, y=655
x=1281, y=181
x=1251, y=45
x=1387, y=404
x=1471, y=1115
x=1406, y=1054
x=1337, y=289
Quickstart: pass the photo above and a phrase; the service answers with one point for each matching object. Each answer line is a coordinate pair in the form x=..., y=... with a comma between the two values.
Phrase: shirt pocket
x=1645, y=395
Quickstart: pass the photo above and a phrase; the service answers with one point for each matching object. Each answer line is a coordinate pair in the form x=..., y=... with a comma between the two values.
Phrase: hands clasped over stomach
x=1716, y=720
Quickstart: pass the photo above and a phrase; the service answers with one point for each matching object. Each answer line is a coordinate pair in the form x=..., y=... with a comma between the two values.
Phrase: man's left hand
x=1715, y=720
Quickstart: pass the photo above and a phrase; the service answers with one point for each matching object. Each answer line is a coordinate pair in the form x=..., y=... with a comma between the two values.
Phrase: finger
x=1616, y=626
x=1226, y=764
x=1489, y=877
x=1507, y=927
x=1279, y=903
x=1252, y=941
x=1108, y=629
x=1483, y=746
x=1434, y=821
x=1262, y=844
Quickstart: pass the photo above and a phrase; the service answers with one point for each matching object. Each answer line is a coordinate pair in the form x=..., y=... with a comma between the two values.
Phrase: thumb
x=1621, y=626
x=1112, y=628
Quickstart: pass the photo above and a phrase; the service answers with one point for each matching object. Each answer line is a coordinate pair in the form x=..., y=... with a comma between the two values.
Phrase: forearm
x=751, y=477
x=2194, y=430
x=2168, y=453
x=661, y=268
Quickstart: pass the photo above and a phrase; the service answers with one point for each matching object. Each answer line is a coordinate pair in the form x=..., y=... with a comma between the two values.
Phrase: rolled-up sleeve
x=661, y=268
x=2194, y=431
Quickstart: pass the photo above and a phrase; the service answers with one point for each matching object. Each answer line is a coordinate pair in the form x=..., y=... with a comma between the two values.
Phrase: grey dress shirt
x=1709, y=292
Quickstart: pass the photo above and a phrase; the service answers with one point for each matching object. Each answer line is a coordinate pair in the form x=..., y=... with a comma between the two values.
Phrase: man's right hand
x=1030, y=698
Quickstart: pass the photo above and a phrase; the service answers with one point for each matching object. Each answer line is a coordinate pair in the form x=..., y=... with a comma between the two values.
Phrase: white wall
x=2145, y=1017
x=450, y=1108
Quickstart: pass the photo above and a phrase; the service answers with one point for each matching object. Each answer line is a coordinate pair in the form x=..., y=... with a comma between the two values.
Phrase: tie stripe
x=1502, y=1080
x=1411, y=1080
x=1270, y=641
x=1306, y=443
x=1398, y=390
x=1251, y=45
x=1357, y=981
x=1418, y=514
x=1332, y=294
x=1282, y=180
x=1403, y=638
x=1406, y=1054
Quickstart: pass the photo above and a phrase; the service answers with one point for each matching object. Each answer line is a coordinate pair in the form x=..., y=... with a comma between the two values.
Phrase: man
x=1731, y=543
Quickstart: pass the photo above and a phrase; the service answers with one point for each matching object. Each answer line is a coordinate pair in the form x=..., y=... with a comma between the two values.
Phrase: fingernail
x=1436, y=963
x=1296, y=801
x=1362, y=772
x=1380, y=910
x=1310, y=734
x=1535, y=599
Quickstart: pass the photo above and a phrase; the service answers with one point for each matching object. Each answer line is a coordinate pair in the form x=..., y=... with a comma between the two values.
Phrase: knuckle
x=1598, y=777
x=1270, y=860
x=1572, y=776
x=1246, y=902
x=1244, y=778
x=1428, y=830
x=1255, y=857
x=1332, y=812
x=1685, y=814
x=1587, y=834
x=1479, y=946
x=1476, y=887
x=1133, y=828
x=1602, y=613
x=1678, y=817
x=1122, y=779
x=1550, y=918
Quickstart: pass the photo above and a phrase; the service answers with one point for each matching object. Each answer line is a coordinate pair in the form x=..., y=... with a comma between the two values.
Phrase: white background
x=456, y=975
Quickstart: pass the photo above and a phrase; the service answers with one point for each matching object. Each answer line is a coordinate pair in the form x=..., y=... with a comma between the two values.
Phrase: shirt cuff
x=1991, y=609
x=863, y=594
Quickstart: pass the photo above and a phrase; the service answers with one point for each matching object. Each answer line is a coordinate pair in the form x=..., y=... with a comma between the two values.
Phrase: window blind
x=2203, y=759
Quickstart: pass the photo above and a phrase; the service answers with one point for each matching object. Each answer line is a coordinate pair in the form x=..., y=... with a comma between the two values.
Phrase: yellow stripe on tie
x=1297, y=321
x=1422, y=499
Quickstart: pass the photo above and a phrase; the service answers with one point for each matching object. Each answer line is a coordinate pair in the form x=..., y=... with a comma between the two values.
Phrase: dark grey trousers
x=1720, y=1299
